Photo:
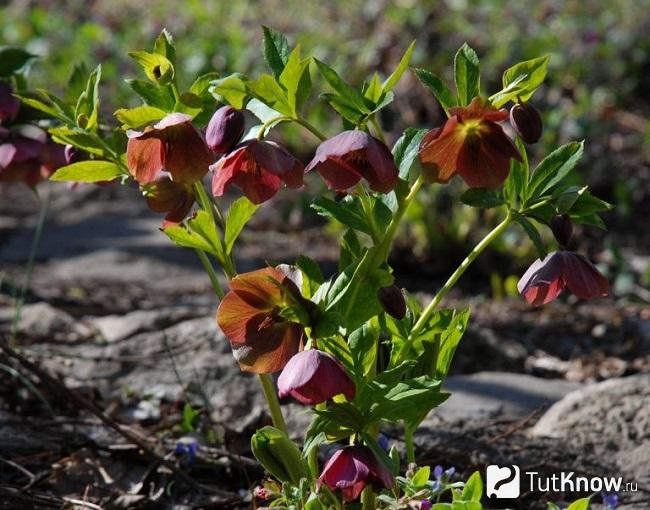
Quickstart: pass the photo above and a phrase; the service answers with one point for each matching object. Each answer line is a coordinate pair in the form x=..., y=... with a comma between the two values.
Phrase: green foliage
x=239, y=214
x=467, y=75
x=279, y=455
x=88, y=171
x=438, y=88
x=521, y=81
x=12, y=60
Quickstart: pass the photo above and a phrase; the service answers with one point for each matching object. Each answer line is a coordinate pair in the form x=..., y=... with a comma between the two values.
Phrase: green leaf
x=516, y=185
x=276, y=50
x=240, y=212
x=345, y=91
x=152, y=94
x=201, y=85
x=580, y=504
x=296, y=80
x=49, y=109
x=587, y=204
x=164, y=46
x=467, y=74
x=269, y=91
x=421, y=476
x=407, y=400
x=406, y=149
x=438, y=88
x=13, y=59
x=231, y=89
x=347, y=211
x=88, y=103
x=279, y=455
x=483, y=198
x=554, y=168
x=449, y=340
x=155, y=66
x=553, y=506
x=312, y=277
x=442, y=506
x=87, y=171
x=190, y=419
x=138, y=116
x=373, y=90
x=401, y=68
x=199, y=233
x=521, y=81
x=473, y=489
x=533, y=234
x=363, y=347
x=78, y=138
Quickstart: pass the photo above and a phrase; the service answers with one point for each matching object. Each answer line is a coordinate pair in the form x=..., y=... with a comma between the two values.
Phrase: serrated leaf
x=450, y=337
x=164, y=46
x=467, y=74
x=554, y=168
x=276, y=50
x=401, y=68
x=199, y=232
x=348, y=212
x=296, y=80
x=87, y=171
x=231, y=89
x=521, y=81
x=406, y=149
x=240, y=212
x=482, y=197
x=270, y=92
x=139, y=116
x=201, y=85
x=155, y=66
x=312, y=277
x=438, y=88
x=78, y=138
x=350, y=94
x=152, y=94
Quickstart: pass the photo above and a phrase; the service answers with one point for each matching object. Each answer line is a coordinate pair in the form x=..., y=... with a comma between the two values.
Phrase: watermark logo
x=503, y=482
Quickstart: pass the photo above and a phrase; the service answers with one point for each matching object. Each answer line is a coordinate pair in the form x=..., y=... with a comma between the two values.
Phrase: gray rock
x=41, y=321
x=489, y=394
x=612, y=418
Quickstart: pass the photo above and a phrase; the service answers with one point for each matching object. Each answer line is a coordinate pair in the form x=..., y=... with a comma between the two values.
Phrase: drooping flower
x=351, y=469
x=527, y=122
x=166, y=196
x=172, y=145
x=28, y=155
x=546, y=279
x=258, y=316
x=343, y=160
x=258, y=168
x=472, y=144
x=225, y=129
x=392, y=301
x=313, y=377
x=562, y=228
x=9, y=104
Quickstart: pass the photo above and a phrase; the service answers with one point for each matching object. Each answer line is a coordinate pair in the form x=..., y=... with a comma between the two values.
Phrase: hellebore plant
x=359, y=351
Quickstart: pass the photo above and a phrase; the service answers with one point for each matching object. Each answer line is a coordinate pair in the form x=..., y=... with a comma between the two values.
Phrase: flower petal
x=543, y=281
x=145, y=158
x=582, y=278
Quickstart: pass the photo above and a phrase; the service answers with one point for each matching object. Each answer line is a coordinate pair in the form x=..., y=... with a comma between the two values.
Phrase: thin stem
x=214, y=279
x=274, y=120
x=273, y=402
x=310, y=127
x=31, y=263
x=485, y=242
x=408, y=439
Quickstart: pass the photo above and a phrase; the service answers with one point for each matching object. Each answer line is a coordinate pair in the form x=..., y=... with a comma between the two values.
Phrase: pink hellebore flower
x=313, y=376
x=546, y=279
x=258, y=168
x=342, y=161
x=351, y=469
x=173, y=145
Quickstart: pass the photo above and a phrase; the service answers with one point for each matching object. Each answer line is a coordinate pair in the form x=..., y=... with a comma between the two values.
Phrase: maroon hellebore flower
x=173, y=198
x=313, y=377
x=470, y=143
x=347, y=157
x=9, y=104
x=250, y=316
x=28, y=155
x=257, y=167
x=174, y=145
x=351, y=469
x=545, y=279
x=225, y=129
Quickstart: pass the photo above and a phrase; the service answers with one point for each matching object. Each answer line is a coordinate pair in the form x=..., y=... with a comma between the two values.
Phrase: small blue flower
x=450, y=472
x=383, y=442
x=610, y=500
x=436, y=486
x=437, y=472
x=186, y=448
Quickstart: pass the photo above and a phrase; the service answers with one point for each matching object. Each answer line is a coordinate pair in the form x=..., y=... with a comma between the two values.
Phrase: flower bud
x=313, y=377
x=71, y=154
x=562, y=228
x=527, y=122
x=9, y=105
x=392, y=301
x=279, y=455
x=225, y=129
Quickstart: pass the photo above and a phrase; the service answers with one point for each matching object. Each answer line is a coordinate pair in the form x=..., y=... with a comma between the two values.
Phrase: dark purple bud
x=225, y=129
x=313, y=377
x=9, y=105
x=562, y=228
x=393, y=302
x=425, y=504
x=527, y=122
x=71, y=154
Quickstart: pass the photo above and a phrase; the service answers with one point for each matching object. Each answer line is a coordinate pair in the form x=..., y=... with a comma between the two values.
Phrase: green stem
x=311, y=128
x=408, y=439
x=214, y=279
x=485, y=242
x=273, y=402
x=274, y=120
x=368, y=499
